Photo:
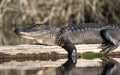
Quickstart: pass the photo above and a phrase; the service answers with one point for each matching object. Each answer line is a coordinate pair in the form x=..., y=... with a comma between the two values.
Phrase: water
x=103, y=66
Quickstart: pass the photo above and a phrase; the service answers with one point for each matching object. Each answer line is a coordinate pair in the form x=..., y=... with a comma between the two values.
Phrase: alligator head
x=44, y=34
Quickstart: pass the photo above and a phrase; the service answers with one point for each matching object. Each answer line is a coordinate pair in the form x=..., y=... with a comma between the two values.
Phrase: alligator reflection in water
x=110, y=67
x=107, y=66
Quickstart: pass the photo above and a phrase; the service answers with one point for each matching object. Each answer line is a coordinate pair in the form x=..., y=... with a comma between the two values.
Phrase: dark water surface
x=103, y=66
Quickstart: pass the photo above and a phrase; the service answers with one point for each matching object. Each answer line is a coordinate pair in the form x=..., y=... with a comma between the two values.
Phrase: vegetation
x=90, y=55
x=54, y=12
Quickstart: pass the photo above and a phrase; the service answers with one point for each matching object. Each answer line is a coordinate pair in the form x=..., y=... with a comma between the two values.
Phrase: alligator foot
x=110, y=41
x=106, y=49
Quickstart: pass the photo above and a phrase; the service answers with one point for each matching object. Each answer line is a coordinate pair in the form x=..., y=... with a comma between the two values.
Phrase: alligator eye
x=36, y=27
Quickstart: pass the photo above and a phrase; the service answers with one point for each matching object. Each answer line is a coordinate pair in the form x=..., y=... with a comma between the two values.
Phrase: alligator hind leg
x=110, y=41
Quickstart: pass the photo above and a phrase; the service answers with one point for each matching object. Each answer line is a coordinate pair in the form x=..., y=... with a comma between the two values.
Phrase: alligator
x=68, y=36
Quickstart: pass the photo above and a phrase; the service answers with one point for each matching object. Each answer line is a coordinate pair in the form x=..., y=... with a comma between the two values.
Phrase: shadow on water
x=103, y=66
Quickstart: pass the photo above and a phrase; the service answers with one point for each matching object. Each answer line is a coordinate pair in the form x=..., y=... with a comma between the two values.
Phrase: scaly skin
x=67, y=37
x=89, y=33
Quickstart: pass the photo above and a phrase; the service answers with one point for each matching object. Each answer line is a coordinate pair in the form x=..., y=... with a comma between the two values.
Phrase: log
x=48, y=52
x=29, y=49
x=27, y=65
x=42, y=55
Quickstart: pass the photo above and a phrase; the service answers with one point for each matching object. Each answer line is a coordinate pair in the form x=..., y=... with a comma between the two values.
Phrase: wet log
x=25, y=65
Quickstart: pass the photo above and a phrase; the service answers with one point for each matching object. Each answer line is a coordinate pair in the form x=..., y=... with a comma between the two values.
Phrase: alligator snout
x=17, y=31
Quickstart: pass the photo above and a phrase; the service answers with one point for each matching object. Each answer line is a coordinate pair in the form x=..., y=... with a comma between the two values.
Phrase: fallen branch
x=30, y=49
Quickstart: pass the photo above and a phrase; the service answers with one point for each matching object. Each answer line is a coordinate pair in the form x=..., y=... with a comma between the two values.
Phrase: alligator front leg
x=71, y=49
x=110, y=41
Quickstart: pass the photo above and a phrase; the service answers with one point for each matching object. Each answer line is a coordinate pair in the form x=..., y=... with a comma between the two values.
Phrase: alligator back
x=88, y=33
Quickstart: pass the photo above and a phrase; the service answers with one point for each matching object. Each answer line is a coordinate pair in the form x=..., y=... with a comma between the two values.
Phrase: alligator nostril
x=17, y=31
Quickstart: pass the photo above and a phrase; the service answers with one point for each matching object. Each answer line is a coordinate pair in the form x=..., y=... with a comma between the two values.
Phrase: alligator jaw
x=27, y=37
x=22, y=34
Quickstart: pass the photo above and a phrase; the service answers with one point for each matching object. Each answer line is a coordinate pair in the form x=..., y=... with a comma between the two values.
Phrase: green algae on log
x=90, y=55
